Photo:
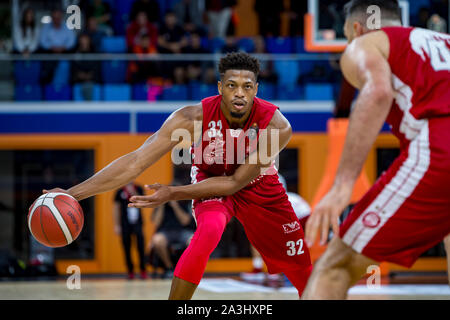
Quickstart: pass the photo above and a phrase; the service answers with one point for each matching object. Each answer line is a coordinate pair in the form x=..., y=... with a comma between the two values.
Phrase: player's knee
x=159, y=240
x=338, y=257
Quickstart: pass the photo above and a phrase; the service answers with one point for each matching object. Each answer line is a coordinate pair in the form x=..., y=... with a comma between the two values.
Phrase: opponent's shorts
x=407, y=211
x=269, y=221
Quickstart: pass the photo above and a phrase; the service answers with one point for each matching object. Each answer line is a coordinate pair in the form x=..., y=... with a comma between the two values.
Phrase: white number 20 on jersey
x=295, y=248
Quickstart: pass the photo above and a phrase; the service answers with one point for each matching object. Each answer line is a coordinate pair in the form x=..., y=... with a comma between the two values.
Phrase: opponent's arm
x=222, y=185
x=365, y=66
x=128, y=167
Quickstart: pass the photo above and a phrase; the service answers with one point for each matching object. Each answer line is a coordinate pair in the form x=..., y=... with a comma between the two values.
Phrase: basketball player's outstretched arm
x=222, y=185
x=128, y=167
x=364, y=64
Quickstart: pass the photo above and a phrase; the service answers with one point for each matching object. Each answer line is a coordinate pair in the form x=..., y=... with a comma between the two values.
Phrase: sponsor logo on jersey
x=371, y=219
x=291, y=227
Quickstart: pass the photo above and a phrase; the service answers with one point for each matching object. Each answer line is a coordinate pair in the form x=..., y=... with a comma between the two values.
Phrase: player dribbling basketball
x=227, y=180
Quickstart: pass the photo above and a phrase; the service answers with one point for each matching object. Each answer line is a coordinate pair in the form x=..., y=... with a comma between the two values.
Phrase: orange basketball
x=55, y=219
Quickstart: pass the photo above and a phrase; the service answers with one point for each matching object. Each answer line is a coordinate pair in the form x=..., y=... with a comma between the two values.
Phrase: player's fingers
x=44, y=191
x=311, y=228
x=140, y=198
x=324, y=228
x=335, y=225
x=154, y=186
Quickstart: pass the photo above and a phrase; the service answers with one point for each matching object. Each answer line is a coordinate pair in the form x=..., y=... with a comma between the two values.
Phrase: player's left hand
x=327, y=213
x=161, y=195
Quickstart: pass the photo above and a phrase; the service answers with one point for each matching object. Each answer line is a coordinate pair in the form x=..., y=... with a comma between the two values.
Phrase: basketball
x=55, y=219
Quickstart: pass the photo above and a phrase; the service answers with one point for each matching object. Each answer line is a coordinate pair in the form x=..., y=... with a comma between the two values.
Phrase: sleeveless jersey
x=420, y=65
x=222, y=149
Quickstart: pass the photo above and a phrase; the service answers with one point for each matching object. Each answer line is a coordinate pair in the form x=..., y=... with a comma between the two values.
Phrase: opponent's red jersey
x=420, y=65
x=223, y=149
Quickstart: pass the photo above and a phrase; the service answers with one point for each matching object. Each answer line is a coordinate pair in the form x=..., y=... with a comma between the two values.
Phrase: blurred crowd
x=178, y=27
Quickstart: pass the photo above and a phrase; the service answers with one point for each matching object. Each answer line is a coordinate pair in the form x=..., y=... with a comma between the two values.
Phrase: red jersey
x=420, y=65
x=223, y=149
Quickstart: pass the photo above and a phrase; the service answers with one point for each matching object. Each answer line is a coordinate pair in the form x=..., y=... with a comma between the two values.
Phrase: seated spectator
x=143, y=71
x=174, y=229
x=94, y=33
x=101, y=11
x=139, y=26
x=267, y=72
x=55, y=36
x=26, y=33
x=230, y=45
x=150, y=7
x=219, y=16
x=269, y=17
x=190, y=16
x=196, y=70
x=172, y=39
x=85, y=72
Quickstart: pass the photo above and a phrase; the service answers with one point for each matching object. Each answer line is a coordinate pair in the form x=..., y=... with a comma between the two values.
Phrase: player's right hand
x=326, y=214
x=55, y=190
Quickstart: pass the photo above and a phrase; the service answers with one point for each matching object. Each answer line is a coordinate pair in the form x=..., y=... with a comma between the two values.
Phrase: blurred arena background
x=73, y=102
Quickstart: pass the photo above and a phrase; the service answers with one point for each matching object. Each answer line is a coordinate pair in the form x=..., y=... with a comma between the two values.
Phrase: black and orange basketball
x=55, y=219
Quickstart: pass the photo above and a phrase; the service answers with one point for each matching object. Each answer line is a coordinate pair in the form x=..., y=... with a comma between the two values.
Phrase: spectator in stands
x=190, y=15
x=140, y=25
x=219, y=16
x=292, y=18
x=55, y=36
x=423, y=16
x=150, y=7
x=172, y=39
x=94, y=33
x=230, y=45
x=85, y=72
x=26, y=33
x=437, y=23
x=267, y=72
x=269, y=17
x=142, y=71
x=174, y=229
x=197, y=70
x=101, y=11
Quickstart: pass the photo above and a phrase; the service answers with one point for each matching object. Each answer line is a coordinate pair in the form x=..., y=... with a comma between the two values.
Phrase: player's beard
x=237, y=115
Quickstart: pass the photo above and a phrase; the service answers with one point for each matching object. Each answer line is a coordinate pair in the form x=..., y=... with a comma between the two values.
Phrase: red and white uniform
x=262, y=206
x=407, y=211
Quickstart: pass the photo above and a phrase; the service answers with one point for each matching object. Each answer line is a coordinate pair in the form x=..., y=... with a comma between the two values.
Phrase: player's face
x=238, y=89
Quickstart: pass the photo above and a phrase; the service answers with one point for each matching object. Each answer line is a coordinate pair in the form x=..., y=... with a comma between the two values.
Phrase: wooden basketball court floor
x=219, y=288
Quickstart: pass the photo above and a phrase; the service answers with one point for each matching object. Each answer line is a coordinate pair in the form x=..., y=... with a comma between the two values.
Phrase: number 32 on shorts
x=295, y=248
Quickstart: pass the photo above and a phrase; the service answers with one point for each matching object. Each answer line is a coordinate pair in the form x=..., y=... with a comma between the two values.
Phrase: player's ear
x=219, y=87
x=256, y=88
x=358, y=29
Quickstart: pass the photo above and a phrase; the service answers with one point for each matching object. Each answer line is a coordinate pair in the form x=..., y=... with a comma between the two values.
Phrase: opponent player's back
x=420, y=65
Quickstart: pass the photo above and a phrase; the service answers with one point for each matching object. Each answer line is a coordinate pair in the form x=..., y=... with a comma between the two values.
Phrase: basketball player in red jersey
x=403, y=75
x=225, y=182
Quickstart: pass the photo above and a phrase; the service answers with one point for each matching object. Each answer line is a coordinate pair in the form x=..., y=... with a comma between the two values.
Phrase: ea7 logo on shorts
x=291, y=227
x=371, y=219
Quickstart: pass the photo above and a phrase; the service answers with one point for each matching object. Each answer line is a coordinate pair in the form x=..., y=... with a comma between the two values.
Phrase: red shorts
x=269, y=221
x=407, y=211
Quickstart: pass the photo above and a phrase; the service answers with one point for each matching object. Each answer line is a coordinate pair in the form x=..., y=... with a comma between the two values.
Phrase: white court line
x=225, y=285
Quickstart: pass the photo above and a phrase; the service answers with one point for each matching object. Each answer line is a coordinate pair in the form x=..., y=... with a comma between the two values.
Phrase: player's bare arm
x=221, y=185
x=364, y=64
x=128, y=167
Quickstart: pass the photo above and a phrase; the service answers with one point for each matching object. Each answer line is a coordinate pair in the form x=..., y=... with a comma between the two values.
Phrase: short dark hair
x=239, y=61
x=389, y=8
